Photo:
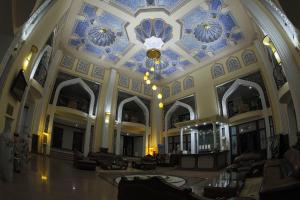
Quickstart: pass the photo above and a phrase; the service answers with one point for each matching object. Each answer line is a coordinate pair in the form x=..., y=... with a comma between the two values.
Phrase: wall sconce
x=27, y=59
x=107, y=116
x=44, y=178
x=268, y=42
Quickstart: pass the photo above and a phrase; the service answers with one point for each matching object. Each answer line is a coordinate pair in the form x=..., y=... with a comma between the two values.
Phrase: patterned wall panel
x=68, y=61
x=148, y=90
x=249, y=57
x=83, y=67
x=98, y=72
x=136, y=85
x=124, y=81
x=166, y=92
x=217, y=70
x=188, y=83
x=233, y=64
x=176, y=88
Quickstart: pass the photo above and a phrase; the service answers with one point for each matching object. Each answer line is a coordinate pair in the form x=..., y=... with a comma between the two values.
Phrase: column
x=215, y=134
x=87, y=137
x=166, y=141
x=181, y=139
x=197, y=142
x=108, y=108
x=193, y=143
x=118, y=138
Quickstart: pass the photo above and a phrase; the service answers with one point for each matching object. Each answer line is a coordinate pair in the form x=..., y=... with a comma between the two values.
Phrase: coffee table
x=226, y=185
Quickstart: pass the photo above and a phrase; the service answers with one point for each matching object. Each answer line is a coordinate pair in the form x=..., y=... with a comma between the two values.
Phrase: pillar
x=215, y=134
x=181, y=139
x=118, y=138
x=108, y=108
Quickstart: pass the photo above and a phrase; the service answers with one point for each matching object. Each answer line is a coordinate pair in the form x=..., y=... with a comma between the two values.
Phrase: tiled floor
x=52, y=179
x=63, y=183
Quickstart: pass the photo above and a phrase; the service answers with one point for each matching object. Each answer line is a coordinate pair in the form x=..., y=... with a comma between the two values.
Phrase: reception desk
x=204, y=160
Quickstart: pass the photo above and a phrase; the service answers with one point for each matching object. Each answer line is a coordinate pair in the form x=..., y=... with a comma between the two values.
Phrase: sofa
x=81, y=162
x=249, y=164
x=282, y=177
x=152, y=188
x=146, y=163
x=109, y=161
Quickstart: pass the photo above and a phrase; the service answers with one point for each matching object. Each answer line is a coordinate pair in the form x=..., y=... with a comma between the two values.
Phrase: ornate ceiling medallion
x=208, y=32
x=101, y=36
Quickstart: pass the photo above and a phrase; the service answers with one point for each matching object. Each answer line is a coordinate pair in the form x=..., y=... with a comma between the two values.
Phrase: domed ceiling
x=192, y=33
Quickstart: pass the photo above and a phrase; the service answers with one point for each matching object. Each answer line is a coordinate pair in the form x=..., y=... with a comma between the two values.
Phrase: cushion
x=247, y=157
x=286, y=168
x=293, y=157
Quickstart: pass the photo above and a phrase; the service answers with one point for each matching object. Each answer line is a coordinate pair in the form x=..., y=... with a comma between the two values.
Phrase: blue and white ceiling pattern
x=102, y=35
x=132, y=6
x=206, y=30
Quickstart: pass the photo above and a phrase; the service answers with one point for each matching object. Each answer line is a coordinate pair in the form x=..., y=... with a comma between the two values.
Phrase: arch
x=74, y=82
x=231, y=89
x=233, y=64
x=47, y=50
x=169, y=114
x=188, y=82
x=166, y=92
x=141, y=104
x=249, y=57
x=281, y=43
x=176, y=88
x=91, y=107
x=217, y=70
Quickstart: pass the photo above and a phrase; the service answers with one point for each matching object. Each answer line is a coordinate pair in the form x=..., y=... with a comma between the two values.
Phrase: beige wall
x=38, y=38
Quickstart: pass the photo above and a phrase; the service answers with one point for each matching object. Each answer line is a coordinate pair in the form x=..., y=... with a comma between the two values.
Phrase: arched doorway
x=167, y=121
x=255, y=86
x=119, y=123
x=87, y=135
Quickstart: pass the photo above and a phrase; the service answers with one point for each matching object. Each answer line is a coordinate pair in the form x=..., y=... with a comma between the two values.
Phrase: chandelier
x=153, y=73
x=154, y=33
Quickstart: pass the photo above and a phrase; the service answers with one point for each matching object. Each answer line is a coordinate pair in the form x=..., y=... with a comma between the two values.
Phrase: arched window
x=233, y=64
x=176, y=88
x=136, y=85
x=217, y=70
x=166, y=92
x=249, y=57
x=188, y=83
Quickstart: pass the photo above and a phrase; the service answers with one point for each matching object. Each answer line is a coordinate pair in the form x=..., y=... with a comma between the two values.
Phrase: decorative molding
x=98, y=72
x=176, y=88
x=83, y=67
x=188, y=82
x=217, y=70
x=233, y=64
x=67, y=61
x=123, y=81
x=249, y=57
x=136, y=85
